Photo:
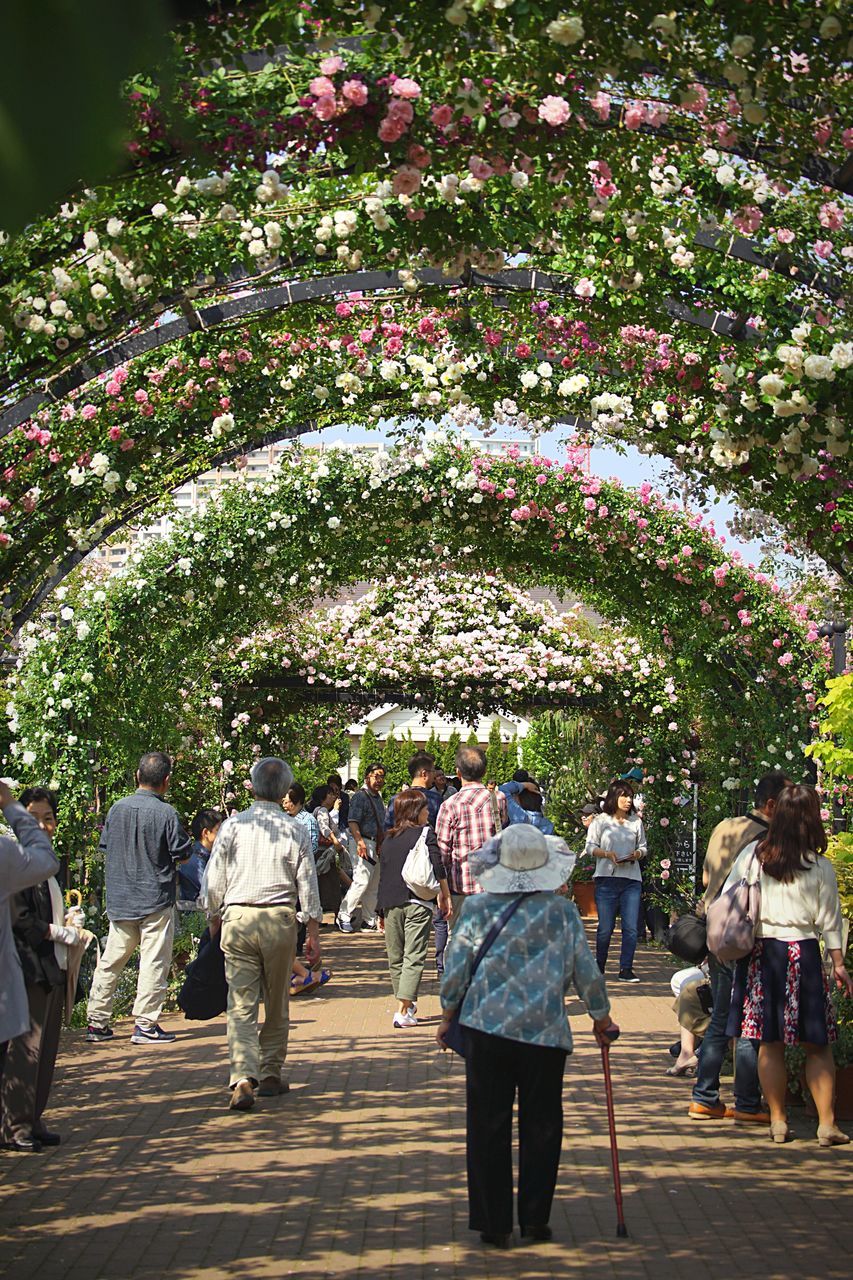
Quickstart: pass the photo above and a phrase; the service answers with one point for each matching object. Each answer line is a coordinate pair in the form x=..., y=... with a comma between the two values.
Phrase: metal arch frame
x=278, y=297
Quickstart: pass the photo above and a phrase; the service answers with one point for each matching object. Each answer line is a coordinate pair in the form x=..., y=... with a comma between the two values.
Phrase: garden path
x=359, y=1171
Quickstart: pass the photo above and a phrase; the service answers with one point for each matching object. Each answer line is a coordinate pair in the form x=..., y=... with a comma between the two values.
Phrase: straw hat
x=522, y=860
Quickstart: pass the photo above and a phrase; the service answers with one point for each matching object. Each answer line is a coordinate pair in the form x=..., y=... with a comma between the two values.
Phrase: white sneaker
x=405, y=1020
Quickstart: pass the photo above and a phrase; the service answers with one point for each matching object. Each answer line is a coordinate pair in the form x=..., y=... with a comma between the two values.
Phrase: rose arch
x=531, y=217
x=129, y=656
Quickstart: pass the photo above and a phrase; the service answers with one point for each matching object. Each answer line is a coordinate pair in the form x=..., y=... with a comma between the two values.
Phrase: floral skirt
x=781, y=993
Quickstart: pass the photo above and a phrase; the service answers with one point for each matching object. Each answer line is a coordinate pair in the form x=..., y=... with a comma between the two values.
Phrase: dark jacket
x=31, y=916
x=433, y=803
x=393, y=890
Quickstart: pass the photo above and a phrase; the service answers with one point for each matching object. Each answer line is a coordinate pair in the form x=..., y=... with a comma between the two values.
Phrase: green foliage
x=368, y=754
x=454, y=742
x=472, y=740
x=434, y=748
x=572, y=756
x=495, y=754
x=834, y=750
x=395, y=759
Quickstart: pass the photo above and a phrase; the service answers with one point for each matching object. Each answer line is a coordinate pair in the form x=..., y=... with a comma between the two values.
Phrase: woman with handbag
x=515, y=951
x=781, y=994
x=407, y=914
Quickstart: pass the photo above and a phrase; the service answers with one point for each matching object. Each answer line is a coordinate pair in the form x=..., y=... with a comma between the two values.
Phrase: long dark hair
x=795, y=836
x=407, y=808
x=614, y=791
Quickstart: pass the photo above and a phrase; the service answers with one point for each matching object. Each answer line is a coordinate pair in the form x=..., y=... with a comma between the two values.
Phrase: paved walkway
x=359, y=1171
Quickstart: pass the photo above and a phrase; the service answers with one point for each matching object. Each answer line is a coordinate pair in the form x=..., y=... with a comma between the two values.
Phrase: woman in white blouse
x=781, y=992
x=617, y=839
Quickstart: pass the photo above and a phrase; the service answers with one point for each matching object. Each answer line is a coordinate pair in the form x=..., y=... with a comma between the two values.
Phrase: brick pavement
x=359, y=1171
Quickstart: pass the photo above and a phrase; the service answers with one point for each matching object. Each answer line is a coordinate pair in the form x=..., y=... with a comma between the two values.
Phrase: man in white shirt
x=260, y=865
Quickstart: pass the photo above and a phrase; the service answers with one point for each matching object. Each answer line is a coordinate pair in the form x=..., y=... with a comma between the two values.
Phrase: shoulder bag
x=732, y=918
x=688, y=937
x=418, y=872
x=454, y=1037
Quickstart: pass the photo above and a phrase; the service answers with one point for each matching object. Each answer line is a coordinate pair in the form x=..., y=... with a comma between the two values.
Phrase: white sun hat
x=522, y=860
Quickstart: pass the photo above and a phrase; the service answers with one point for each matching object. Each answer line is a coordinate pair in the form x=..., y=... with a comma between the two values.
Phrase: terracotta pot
x=584, y=896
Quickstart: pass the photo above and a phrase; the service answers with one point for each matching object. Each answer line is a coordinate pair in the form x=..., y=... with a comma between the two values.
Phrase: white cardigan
x=21, y=864
x=806, y=907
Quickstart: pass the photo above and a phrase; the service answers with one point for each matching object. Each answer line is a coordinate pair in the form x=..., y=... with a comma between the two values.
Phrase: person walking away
x=142, y=841
x=466, y=821
x=422, y=773
x=780, y=994
x=367, y=828
x=516, y=1042
x=617, y=839
x=728, y=839
x=260, y=865
x=32, y=992
x=408, y=919
x=203, y=829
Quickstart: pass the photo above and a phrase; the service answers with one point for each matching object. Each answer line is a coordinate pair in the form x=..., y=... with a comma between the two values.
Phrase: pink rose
x=419, y=156
x=140, y=396
x=355, y=92
x=601, y=105
x=405, y=88
x=441, y=116
x=399, y=109
x=554, y=110
x=635, y=115
x=321, y=87
x=784, y=236
x=748, y=219
x=329, y=66
x=480, y=168
x=326, y=107
x=823, y=248
x=114, y=433
x=391, y=130
x=88, y=411
x=664, y=823
x=407, y=179
x=113, y=387
x=831, y=216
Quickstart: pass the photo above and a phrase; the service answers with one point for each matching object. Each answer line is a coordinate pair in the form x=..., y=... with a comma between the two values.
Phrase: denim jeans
x=617, y=895
x=441, y=931
x=712, y=1051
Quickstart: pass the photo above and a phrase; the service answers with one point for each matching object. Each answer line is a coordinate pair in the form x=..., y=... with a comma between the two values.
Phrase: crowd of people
x=464, y=860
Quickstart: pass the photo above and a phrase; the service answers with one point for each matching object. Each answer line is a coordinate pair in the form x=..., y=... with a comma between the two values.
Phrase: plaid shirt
x=464, y=824
x=262, y=858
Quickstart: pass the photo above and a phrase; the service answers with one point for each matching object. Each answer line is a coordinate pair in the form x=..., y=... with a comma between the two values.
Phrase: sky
x=632, y=469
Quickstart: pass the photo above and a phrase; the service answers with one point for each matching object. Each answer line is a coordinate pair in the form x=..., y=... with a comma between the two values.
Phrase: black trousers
x=497, y=1069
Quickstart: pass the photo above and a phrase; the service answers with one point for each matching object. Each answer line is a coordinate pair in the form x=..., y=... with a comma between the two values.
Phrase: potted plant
x=583, y=889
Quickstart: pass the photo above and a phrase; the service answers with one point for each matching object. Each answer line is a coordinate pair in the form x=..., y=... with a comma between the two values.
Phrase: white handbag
x=418, y=871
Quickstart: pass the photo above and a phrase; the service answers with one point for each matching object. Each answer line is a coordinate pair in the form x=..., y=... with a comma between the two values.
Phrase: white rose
x=91, y=241
x=98, y=291
x=565, y=30
x=76, y=477
x=100, y=464
x=159, y=210
x=529, y=379
x=544, y=369
x=842, y=355
x=333, y=522
x=771, y=385
x=725, y=175
x=742, y=46
x=183, y=187
x=519, y=179
x=223, y=423
x=819, y=367
x=829, y=28
x=115, y=226
x=83, y=630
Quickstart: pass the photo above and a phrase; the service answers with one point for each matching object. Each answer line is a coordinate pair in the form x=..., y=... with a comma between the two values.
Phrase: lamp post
x=836, y=633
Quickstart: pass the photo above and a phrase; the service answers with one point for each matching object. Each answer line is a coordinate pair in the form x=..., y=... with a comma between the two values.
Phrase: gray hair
x=470, y=763
x=271, y=778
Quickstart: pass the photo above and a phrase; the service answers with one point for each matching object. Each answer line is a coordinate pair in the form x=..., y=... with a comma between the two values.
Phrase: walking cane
x=621, y=1229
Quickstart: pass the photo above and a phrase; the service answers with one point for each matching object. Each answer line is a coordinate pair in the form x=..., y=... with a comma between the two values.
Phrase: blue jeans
x=712, y=1051
x=617, y=895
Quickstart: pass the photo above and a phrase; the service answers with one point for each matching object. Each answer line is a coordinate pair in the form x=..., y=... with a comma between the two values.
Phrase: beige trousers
x=154, y=936
x=259, y=944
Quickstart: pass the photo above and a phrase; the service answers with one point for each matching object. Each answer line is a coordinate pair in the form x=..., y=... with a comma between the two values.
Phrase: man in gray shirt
x=367, y=827
x=143, y=841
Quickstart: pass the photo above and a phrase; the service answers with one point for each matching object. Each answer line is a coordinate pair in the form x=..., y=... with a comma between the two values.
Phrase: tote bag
x=732, y=918
x=418, y=871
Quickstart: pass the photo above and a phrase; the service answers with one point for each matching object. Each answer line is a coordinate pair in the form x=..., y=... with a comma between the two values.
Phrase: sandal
x=688, y=1070
x=300, y=986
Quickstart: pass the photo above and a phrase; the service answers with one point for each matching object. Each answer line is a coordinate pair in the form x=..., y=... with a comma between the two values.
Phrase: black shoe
x=628, y=975
x=29, y=1146
x=497, y=1241
x=537, y=1233
x=47, y=1139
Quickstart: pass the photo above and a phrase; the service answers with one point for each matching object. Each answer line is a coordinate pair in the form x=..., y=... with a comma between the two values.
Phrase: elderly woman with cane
x=516, y=949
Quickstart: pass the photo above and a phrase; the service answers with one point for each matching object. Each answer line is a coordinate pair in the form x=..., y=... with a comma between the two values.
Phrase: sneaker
x=628, y=975
x=345, y=926
x=95, y=1035
x=369, y=924
x=151, y=1035
x=405, y=1020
